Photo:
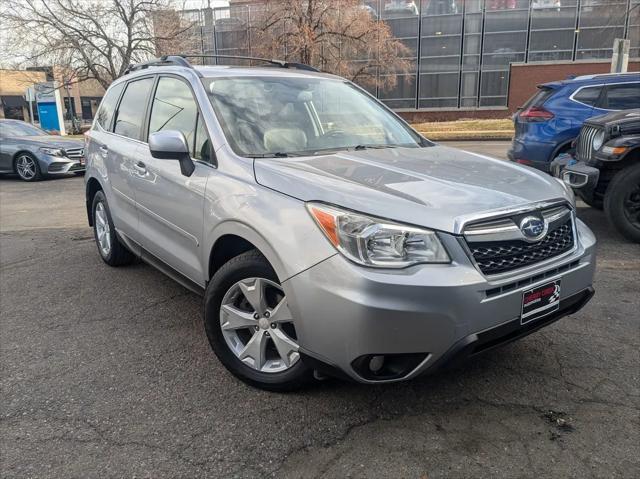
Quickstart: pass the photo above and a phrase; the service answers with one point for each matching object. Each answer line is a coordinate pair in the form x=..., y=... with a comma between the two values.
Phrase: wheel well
x=225, y=248
x=17, y=154
x=562, y=148
x=93, y=186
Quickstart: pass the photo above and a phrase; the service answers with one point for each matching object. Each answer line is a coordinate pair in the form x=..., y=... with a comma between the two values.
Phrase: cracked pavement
x=106, y=372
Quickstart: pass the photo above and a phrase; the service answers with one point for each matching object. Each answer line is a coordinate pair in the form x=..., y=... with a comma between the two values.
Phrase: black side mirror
x=171, y=145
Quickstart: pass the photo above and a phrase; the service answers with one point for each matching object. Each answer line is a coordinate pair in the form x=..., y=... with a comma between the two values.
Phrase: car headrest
x=285, y=139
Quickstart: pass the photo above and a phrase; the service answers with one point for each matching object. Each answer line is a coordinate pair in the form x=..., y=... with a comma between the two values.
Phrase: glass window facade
x=461, y=50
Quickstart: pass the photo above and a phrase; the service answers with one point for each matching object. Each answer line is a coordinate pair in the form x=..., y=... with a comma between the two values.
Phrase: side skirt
x=160, y=265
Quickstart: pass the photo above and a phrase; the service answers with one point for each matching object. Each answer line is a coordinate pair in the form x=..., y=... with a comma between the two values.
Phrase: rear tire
x=111, y=250
x=278, y=366
x=622, y=202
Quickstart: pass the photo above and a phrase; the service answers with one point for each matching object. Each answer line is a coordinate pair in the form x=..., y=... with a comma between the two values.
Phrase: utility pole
x=620, y=58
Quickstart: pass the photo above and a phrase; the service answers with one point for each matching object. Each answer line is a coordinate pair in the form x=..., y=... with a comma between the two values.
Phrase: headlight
x=375, y=242
x=598, y=140
x=52, y=151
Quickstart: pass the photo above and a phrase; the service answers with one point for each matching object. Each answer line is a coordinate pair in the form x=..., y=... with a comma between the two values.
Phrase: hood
x=435, y=187
x=51, y=141
x=628, y=121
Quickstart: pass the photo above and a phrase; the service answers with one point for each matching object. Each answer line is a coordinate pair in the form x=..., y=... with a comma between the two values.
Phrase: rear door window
x=132, y=109
x=623, y=97
x=588, y=96
x=108, y=106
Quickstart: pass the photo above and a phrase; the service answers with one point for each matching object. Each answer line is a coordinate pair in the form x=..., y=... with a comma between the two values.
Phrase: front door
x=170, y=205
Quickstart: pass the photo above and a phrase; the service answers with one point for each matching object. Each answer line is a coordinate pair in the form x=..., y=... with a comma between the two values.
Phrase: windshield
x=275, y=116
x=11, y=129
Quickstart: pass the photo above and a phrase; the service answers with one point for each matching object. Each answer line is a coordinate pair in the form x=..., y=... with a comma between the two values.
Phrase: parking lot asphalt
x=106, y=372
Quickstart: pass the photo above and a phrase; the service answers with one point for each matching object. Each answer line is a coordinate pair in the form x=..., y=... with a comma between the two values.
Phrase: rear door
x=121, y=150
x=170, y=204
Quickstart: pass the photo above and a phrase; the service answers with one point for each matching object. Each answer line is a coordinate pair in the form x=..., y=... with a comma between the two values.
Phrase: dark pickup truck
x=605, y=172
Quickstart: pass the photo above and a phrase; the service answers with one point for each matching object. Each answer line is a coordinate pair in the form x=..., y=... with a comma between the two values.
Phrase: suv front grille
x=584, y=147
x=496, y=257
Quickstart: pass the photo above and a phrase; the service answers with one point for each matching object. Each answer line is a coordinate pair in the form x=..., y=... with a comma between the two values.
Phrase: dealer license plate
x=540, y=301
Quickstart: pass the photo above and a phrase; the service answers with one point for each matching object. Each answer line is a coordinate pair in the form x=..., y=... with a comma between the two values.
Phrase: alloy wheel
x=26, y=167
x=103, y=231
x=257, y=325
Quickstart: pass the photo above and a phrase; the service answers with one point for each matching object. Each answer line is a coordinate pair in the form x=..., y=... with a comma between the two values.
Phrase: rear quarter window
x=108, y=106
x=588, y=95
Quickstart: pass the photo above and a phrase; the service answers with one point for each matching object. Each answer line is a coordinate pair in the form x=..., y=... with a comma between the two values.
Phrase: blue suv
x=551, y=119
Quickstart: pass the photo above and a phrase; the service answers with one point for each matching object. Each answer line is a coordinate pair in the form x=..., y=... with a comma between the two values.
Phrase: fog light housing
x=383, y=367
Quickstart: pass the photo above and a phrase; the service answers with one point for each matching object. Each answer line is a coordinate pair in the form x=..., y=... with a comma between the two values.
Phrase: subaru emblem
x=533, y=228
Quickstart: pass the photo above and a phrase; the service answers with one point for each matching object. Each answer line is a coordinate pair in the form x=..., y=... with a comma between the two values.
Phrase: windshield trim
x=420, y=141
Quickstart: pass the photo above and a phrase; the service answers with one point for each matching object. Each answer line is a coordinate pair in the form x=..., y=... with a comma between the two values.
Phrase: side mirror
x=171, y=145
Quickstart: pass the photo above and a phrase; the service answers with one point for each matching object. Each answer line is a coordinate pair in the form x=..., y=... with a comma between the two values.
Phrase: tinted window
x=175, y=109
x=108, y=106
x=132, y=108
x=538, y=97
x=588, y=96
x=623, y=97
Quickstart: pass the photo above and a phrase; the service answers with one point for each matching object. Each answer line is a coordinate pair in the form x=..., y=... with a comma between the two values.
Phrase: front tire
x=250, y=327
x=27, y=167
x=111, y=250
x=622, y=202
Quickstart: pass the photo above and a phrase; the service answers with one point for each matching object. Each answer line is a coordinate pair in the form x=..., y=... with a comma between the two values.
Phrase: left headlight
x=598, y=140
x=375, y=242
x=52, y=151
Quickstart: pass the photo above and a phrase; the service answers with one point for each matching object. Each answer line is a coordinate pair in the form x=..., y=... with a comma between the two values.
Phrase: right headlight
x=598, y=140
x=375, y=242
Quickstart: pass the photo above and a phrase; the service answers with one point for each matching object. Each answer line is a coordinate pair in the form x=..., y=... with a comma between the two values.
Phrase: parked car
x=32, y=153
x=400, y=9
x=547, y=124
x=325, y=234
x=606, y=170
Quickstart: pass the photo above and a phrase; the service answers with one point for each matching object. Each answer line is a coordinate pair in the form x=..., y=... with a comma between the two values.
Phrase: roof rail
x=181, y=60
x=162, y=61
x=279, y=63
x=600, y=75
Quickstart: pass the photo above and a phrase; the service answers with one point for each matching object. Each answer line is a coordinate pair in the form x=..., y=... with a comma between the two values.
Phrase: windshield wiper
x=373, y=147
x=277, y=154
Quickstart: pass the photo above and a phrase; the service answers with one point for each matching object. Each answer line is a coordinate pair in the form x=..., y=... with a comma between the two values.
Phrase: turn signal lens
x=375, y=242
x=614, y=150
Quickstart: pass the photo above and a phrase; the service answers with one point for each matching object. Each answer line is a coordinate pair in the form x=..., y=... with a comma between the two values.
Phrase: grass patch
x=466, y=129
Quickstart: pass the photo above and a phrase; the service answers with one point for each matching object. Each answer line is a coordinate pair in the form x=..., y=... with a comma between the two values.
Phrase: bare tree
x=95, y=39
x=339, y=36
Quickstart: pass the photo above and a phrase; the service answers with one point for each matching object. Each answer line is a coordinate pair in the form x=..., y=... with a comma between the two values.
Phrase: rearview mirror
x=171, y=145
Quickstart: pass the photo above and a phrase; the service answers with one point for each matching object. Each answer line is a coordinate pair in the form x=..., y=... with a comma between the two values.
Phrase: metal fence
x=461, y=49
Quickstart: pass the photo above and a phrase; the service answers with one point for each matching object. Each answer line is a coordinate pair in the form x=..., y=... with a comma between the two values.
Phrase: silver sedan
x=32, y=153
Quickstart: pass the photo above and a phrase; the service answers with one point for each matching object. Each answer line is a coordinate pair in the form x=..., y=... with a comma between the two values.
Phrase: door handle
x=103, y=150
x=141, y=167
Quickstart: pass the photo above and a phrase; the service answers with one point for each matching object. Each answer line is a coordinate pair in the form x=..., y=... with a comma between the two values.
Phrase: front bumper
x=61, y=165
x=425, y=313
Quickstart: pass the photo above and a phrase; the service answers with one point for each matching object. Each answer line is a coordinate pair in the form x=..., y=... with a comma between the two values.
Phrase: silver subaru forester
x=326, y=236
